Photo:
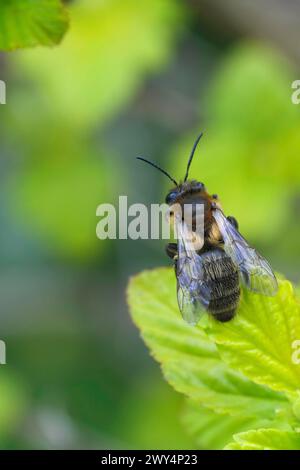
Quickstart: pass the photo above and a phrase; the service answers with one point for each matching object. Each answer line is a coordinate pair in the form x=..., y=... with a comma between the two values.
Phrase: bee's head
x=172, y=196
x=183, y=190
x=186, y=187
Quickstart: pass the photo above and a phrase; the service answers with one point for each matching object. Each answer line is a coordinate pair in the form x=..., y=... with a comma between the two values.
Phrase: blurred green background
x=130, y=77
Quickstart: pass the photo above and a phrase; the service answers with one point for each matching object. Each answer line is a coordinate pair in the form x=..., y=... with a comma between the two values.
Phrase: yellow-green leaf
x=259, y=340
x=265, y=439
x=28, y=23
x=189, y=360
x=212, y=430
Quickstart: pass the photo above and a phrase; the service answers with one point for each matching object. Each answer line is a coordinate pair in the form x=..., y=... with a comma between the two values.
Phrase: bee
x=208, y=279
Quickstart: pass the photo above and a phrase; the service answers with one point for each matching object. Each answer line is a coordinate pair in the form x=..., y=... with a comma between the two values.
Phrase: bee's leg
x=233, y=221
x=171, y=250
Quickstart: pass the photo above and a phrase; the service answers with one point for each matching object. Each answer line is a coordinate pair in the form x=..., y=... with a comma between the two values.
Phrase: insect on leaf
x=189, y=359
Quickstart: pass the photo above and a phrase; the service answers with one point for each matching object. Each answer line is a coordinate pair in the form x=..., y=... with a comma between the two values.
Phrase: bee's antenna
x=192, y=155
x=158, y=168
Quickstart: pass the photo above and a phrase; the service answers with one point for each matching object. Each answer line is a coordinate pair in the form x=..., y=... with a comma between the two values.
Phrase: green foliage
x=13, y=404
x=110, y=48
x=259, y=340
x=60, y=192
x=137, y=423
x=102, y=62
x=265, y=439
x=212, y=430
x=213, y=363
x=28, y=23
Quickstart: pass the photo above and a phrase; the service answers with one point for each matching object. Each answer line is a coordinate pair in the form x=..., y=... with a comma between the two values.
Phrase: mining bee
x=209, y=278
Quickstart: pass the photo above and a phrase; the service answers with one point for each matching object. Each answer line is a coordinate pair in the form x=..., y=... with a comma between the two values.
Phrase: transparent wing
x=192, y=292
x=255, y=271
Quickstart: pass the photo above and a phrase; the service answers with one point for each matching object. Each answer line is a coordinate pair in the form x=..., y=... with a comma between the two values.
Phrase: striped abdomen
x=221, y=275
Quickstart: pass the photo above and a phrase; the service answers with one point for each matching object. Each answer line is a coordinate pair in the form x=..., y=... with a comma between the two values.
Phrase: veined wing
x=255, y=271
x=192, y=292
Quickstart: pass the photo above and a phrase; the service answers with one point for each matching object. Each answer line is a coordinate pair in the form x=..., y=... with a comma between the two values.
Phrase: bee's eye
x=171, y=197
x=200, y=186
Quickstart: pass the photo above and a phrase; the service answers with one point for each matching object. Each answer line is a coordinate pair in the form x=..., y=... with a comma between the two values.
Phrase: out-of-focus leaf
x=137, y=423
x=12, y=403
x=213, y=430
x=28, y=23
x=242, y=85
x=189, y=360
x=265, y=439
x=258, y=341
x=59, y=192
x=111, y=46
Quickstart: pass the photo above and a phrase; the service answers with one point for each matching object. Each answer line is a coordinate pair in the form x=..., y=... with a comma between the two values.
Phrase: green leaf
x=189, y=360
x=258, y=341
x=212, y=430
x=265, y=439
x=28, y=23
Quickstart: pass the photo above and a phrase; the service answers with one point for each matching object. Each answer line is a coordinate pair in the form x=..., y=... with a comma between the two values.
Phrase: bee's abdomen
x=221, y=275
